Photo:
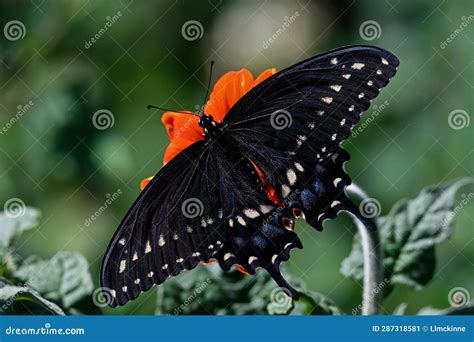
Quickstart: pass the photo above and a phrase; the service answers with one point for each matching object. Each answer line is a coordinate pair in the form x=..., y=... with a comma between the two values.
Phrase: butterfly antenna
x=169, y=110
x=208, y=86
x=182, y=112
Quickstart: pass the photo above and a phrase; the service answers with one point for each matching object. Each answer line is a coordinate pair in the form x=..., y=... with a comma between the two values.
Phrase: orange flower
x=184, y=130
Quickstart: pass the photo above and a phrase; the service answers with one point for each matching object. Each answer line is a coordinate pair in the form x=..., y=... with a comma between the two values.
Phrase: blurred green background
x=54, y=158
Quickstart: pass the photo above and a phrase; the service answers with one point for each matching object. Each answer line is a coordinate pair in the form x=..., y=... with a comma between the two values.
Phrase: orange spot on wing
x=271, y=193
x=208, y=262
x=241, y=270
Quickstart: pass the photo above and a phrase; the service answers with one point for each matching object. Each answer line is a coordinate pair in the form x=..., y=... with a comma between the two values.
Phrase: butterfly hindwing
x=206, y=203
x=254, y=236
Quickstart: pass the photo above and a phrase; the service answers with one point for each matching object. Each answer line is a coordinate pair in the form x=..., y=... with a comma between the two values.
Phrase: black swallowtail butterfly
x=210, y=203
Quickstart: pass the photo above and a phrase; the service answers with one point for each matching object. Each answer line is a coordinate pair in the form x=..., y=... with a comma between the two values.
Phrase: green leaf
x=12, y=227
x=353, y=266
x=312, y=303
x=64, y=278
x=24, y=300
x=400, y=309
x=409, y=234
x=208, y=290
x=467, y=309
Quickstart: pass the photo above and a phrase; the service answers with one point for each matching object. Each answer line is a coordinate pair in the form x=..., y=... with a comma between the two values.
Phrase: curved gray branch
x=373, y=258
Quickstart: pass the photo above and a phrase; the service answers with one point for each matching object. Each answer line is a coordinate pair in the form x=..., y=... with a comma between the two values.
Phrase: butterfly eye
x=297, y=213
x=288, y=222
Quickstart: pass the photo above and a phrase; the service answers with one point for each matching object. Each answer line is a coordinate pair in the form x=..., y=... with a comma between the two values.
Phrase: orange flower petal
x=182, y=125
x=145, y=182
x=264, y=75
x=217, y=104
x=240, y=84
x=183, y=130
x=230, y=88
x=176, y=146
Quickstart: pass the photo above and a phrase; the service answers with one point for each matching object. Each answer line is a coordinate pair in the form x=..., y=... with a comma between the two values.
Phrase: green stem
x=373, y=257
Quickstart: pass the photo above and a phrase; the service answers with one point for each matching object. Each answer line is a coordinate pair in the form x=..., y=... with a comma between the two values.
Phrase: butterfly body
x=211, y=128
x=234, y=196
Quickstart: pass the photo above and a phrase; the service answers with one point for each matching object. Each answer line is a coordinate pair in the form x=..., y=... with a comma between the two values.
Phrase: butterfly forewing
x=292, y=124
x=156, y=238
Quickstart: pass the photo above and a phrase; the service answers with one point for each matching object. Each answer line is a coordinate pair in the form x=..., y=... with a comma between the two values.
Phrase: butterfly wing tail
x=263, y=244
x=316, y=218
x=275, y=273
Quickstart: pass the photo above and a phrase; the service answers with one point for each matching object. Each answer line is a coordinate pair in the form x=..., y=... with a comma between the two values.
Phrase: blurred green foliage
x=408, y=238
x=54, y=158
x=409, y=234
x=58, y=286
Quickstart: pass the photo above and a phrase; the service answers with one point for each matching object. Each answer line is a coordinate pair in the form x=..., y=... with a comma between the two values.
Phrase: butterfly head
x=206, y=121
x=210, y=126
